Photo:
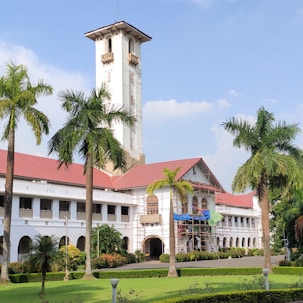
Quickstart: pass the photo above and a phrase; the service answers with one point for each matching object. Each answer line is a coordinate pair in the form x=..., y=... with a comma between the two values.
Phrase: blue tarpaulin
x=185, y=217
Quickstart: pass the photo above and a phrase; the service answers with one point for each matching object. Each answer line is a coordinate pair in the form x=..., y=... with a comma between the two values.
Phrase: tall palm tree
x=180, y=189
x=18, y=96
x=44, y=255
x=274, y=162
x=88, y=133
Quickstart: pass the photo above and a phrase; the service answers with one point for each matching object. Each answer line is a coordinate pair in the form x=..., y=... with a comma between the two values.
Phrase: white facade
x=240, y=227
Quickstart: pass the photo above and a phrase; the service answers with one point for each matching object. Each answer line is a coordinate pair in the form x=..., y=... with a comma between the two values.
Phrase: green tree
x=18, y=97
x=107, y=240
x=88, y=132
x=274, y=162
x=44, y=255
x=179, y=189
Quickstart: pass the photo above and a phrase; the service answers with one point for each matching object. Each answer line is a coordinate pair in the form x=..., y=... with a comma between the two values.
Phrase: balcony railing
x=46, y=213
x=150, y=219
x=111, y=217
x=125, y=218
x=97, y=217
x=107, y=58
x=64, y=214
x=24, y=212
x=133, y=59
x=80, y=215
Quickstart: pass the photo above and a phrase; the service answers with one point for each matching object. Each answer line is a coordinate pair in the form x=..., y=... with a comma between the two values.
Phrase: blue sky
x=208, y=61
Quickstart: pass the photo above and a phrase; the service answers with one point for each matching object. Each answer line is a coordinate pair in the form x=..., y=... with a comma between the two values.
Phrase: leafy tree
x=179, y=189
x=73, y=257
x=274, y=162
x=88, y=132
x=18, y=97
x=107, y=239
x=44, y=255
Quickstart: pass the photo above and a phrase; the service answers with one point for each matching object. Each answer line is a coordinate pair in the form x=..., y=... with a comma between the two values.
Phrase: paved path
x=237, y=262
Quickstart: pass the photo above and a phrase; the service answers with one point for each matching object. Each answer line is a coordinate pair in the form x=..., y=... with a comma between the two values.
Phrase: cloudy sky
x=208, y=61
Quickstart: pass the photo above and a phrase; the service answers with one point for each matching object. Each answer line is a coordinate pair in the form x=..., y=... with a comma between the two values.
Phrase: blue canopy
x=185, y=217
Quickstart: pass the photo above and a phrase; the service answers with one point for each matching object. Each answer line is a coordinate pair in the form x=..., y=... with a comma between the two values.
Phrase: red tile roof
x=39, y=168
x=244, y=201
x=145, y=174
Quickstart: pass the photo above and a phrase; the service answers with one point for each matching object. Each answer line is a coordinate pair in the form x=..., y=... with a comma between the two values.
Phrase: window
x=130, y=45
x=45, y=204
x=63, y=205
x=184, y=207
x=204, y=203
x=195, y=205
x=25, y=203
x=1, y=201
x=124, y=210
x=97, y=208
x=111, y=209
x=80, y=207
x=152, y=205
x=109, y=45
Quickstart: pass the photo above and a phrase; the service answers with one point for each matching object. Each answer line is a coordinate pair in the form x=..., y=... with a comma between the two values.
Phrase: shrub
x=284, y=263
x=164, y=258
x=181, y=257
x=108, y=261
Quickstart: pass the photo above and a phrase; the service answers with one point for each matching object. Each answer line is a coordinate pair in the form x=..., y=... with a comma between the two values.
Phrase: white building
x=48, y=201
x=241, y=222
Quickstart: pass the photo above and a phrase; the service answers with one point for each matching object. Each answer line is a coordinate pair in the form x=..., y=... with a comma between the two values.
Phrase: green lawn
x=146, y=290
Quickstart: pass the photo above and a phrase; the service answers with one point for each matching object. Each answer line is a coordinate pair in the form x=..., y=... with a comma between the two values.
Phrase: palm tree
x=274, y=162
x=18, y=97
x=44, y=254
x=107, y=240
x=87, y=131
x=180, y=189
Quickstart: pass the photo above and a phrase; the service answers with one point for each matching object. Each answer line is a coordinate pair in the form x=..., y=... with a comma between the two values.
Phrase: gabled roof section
x=228, y=199
x=121, y=25
x=145, y=174
x=38, y=168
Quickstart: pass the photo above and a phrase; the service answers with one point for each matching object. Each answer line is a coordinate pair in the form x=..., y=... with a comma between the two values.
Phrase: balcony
x=133, y=59
x=150, y=219
x=97, y=217
x=80, y=215
x=107, y=58
x=25, y=212
x=64, y=214
x=111, y=217
x=1, y=211
x=46, y=214
x=124, y=218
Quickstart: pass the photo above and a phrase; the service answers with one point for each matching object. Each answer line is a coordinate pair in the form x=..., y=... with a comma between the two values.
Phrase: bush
x=284, y=263
x=181, y=257
x=164, y=258
x=108, y=261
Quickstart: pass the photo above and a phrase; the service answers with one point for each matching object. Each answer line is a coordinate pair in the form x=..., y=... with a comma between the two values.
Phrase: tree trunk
x=8, y=198
x=88, y=217
x=264, y=204
x=172, y=271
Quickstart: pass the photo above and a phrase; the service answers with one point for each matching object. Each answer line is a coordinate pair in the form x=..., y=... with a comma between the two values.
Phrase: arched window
x=62, y=241
x=231, y=242
x=224, y=242
x=184, y=207
x=194, y=204
x=254, y=243
x=125, y=242
x=237, y=242
x=243, y=242
x=109, y=48
x=248, y=243
x=204, y=204
x=152, y=205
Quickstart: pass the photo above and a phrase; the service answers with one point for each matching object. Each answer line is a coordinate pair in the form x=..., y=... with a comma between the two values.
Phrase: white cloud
x=234, y=92
x=162, y=110
x=59, y=79
x=222, y=103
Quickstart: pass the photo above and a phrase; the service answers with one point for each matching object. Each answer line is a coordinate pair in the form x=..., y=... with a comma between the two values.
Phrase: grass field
x=143, y=290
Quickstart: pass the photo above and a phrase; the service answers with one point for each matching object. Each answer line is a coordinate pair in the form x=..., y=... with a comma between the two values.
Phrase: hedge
x=260, y=296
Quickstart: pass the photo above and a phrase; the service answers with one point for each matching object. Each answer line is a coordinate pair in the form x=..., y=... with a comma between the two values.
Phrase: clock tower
x=118, y=66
